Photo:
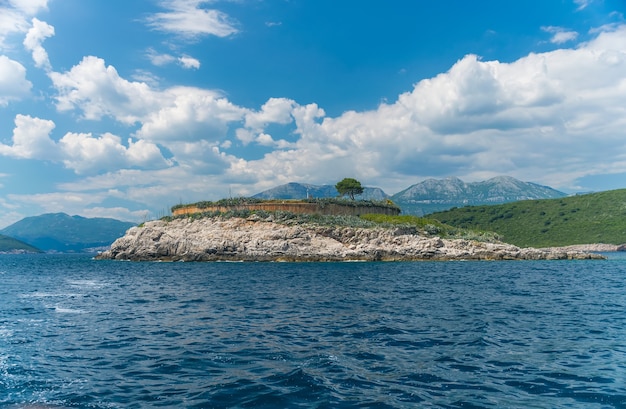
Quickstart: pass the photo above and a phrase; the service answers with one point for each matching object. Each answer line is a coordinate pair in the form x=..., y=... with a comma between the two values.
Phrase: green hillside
x=59, y=232
x=11, y=245
x=582, y=219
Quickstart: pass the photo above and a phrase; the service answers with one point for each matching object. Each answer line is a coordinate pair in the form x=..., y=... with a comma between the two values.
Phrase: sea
x=76, y=332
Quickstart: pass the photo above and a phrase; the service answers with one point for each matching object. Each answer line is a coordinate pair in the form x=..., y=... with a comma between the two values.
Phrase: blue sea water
x=81, y=333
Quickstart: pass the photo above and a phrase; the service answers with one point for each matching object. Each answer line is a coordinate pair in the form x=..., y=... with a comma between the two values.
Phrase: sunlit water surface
x=80, y=333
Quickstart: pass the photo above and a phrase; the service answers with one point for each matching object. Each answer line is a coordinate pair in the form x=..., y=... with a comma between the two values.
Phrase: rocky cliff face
x=252, y=239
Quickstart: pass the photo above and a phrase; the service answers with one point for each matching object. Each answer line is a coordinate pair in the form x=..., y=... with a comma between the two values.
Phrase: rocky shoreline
x=253, y=239
x=596, y=247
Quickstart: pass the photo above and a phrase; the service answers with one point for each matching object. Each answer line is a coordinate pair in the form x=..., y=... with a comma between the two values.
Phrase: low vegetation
x=582, y=219
x=280, y=217
x=431, y=227
x=411, y=224
x=236, y=201
x=233, y=202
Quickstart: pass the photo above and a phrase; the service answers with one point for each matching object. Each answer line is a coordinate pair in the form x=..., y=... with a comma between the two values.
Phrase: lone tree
x=349, y=187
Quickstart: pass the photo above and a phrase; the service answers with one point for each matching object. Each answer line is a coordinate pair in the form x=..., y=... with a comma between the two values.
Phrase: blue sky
x=123, y=109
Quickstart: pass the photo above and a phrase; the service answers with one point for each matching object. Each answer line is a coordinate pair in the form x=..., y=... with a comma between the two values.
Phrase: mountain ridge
x=59, y=232
x=430, y=195
x=294, y=190
x=434, y=195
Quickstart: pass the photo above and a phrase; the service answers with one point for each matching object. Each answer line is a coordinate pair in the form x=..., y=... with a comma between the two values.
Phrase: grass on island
x=412, y=224
x=582, y=219
x=430, y=227
x=323, y=201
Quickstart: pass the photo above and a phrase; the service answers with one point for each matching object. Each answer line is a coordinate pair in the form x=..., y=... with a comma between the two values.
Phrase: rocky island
x=257, y=238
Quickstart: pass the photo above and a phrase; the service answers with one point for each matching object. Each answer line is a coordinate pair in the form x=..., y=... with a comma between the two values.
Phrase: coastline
x=592, y=247
x=254, y=239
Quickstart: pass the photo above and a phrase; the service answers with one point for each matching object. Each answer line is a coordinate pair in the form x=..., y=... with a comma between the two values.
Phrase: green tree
x=349, y=187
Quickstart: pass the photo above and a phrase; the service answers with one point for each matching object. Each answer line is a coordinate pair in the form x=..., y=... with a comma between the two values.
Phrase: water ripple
x=78, y=333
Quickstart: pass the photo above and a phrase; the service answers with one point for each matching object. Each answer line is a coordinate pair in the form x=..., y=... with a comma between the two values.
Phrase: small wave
x=63, y=310
x=6, y=333
x=36, y=405
x=201, y=335
x=86, y=283
x=38, y=294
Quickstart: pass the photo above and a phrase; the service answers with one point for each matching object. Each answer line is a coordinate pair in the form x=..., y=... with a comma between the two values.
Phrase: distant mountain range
x=59, y=232
x=431, y=195
x=303, y=191
x=434, y=195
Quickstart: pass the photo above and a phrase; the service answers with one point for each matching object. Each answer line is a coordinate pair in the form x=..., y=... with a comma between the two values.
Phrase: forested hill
x=59, y=232
x=582, y=219
x=11, y=245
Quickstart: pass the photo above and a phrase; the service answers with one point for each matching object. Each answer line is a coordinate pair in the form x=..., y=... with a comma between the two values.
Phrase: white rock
x=212, y=239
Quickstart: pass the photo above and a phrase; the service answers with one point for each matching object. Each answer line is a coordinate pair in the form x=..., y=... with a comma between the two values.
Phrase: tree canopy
x=350, y=187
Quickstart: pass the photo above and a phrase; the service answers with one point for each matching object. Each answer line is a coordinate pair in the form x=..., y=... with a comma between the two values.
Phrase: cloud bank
x=549, y=117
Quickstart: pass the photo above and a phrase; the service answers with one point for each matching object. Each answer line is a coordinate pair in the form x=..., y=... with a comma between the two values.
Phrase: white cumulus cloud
x=551, y=117
x=98, y=90
x=14, y=16
x=275, y=110
x=35, y=37
x=176, y=113
x=31, y=139
x=84, y=153
x=189, y=113
x=13, y=82
x=80, y=152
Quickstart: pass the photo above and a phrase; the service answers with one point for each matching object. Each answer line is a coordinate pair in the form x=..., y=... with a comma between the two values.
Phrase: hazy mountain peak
x=430, y=195
x=64, y=233
x=441, y=194
x=294, y=190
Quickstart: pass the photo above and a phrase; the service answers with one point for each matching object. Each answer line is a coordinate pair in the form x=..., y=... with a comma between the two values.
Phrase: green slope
x=63, y=233
x=583, y=219
x=11, y=245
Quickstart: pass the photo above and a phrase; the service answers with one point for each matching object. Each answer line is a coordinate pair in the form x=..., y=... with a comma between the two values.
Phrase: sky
x=124, y=109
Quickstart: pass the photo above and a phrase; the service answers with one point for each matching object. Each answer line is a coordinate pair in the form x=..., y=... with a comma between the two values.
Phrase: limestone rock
x=238, y=239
